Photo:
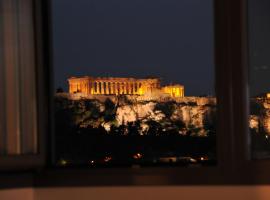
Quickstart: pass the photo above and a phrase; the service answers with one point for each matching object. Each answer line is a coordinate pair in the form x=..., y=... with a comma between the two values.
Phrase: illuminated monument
x=121, y=86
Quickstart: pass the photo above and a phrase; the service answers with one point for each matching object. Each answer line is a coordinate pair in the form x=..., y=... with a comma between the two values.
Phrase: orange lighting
x=137, y=156
x=107, y=159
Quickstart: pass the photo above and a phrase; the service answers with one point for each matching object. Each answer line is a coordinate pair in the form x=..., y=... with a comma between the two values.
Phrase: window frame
x=25, y=162
x=234, y=163
x=228, y=55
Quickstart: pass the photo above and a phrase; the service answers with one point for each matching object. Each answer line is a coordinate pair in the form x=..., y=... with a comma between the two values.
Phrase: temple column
x=131, y=88
x=135, y=88
x=128, y=87
x=102, y=87
x=120, y=88
x=116, y=88
x=125, y=88
x=107, y=87
x=91, y=87
x=70, y=88
x=86, y=88
x=133, y=85
x=112, y=88
x=98, y=87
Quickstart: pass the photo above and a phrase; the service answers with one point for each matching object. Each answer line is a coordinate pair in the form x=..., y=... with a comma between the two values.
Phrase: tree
x=110, y=110
x=154, y=128
x=133, y=128
x=167, y=108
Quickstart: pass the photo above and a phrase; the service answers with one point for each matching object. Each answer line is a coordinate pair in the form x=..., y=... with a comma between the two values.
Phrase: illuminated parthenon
x=118, y=86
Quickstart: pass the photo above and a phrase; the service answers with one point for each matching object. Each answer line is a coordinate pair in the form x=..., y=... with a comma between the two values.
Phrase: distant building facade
x=121, y=86
x=174, y=90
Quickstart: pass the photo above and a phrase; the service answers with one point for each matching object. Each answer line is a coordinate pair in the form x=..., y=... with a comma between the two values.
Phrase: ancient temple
x=174, y=90
x=118, y=85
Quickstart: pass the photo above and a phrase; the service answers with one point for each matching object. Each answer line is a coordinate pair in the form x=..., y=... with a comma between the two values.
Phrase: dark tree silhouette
x=166, y=107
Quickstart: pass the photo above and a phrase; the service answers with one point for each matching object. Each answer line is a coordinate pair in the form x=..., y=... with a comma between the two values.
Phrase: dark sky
x=259, y=33
x=171, y=39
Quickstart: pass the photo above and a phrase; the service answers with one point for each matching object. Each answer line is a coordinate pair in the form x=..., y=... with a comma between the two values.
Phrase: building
x=174, y=90
x=119, y=85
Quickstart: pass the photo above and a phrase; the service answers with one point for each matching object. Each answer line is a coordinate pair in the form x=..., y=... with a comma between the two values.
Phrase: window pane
x=259, y=42
x=134, y=82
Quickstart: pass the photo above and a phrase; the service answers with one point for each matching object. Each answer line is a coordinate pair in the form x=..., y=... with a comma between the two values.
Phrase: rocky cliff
x=260, y=115
x=161, y=115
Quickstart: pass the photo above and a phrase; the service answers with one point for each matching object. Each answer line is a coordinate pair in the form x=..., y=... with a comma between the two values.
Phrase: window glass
x=259, y=45
x=134, y=82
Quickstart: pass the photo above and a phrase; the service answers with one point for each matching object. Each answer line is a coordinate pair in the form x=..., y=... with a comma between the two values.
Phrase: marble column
x=120, y=88
x=102, y=87
x=91, y=87
x=108, y=87
x=136, y=87
x=97, y=87
x=105, y=87
x=112, y=88
x=131, y=88
x=126, y=88
x=115, y=87
x=117, y=84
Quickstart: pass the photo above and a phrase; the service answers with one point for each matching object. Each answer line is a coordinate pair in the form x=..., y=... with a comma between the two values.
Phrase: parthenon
x=120, y=86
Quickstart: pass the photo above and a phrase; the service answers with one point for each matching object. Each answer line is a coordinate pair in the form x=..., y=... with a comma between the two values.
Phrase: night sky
x=171, y=39
x=259, y=35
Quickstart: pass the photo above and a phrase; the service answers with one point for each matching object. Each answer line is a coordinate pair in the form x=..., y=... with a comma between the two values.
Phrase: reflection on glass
x=134, y=83
x=259, y=45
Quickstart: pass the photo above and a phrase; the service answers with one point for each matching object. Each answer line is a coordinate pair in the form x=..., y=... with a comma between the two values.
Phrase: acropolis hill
x=112, y=102
x=121, y=86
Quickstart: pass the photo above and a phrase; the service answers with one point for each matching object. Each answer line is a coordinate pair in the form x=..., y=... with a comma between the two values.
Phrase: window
x=134, y=83
x=20, y=141
x=259, y=45
x=232, y=141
